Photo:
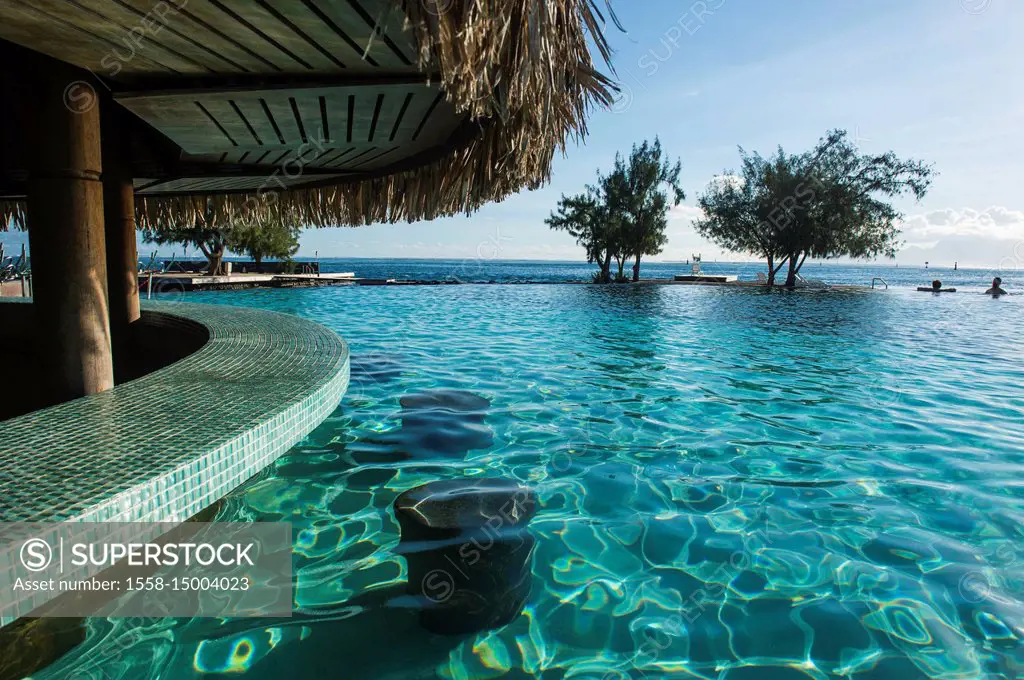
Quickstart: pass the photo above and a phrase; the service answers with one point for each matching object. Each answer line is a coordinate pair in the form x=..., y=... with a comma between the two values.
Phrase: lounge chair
x=801, y=282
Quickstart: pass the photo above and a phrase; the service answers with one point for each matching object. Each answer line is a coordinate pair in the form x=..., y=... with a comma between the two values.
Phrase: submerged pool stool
x=468, y=550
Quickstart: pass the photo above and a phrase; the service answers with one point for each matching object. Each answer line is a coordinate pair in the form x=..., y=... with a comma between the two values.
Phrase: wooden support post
x=119, y=218
x=122, y=265
x=65, y=215
x=122, y=252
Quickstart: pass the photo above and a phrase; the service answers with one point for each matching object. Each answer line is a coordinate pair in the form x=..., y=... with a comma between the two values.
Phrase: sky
x=937, y=80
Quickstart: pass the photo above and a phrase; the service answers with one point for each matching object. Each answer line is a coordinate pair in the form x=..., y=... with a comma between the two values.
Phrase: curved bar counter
x=167, y=445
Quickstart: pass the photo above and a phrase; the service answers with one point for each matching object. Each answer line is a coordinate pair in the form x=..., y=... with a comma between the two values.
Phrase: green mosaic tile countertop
x=166, y=446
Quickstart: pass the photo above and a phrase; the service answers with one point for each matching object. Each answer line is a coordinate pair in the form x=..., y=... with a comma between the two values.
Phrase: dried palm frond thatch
x=522, y=73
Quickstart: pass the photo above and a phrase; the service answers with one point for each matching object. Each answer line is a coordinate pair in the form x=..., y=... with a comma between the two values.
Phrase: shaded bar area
x=382, y=117
x=314, y=113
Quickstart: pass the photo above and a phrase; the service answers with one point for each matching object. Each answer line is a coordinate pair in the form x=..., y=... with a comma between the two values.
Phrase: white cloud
x=995, y=222
x=684, y=213
x=982, y=237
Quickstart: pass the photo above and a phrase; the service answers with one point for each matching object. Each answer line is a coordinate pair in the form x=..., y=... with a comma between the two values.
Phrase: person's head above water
x=997, y=287
x=936, y=284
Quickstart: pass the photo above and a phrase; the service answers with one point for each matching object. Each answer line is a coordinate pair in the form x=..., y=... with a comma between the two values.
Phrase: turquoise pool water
x=733, y=484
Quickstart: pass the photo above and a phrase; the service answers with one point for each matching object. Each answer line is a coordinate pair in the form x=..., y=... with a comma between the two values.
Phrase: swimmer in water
x=997, y=288
x=936, y=287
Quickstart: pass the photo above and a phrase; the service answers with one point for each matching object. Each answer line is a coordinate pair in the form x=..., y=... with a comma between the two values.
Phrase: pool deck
x=191, y=281
x=168, y=445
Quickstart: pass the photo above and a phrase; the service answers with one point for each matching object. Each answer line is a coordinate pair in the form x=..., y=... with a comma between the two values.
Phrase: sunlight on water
x=733, y=484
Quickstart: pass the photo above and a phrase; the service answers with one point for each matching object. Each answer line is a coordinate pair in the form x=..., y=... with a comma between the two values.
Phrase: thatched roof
x=515, y=78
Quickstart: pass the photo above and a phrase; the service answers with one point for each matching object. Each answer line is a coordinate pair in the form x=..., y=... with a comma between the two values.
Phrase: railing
x=879, y=278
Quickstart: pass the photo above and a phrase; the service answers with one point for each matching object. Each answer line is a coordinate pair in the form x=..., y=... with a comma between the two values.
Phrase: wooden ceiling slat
x=166, y=26
x=154, y=185
x=232, y=140
x=255, y=111
x=405, y=120
x=397, y=52
x=373, y=160
x=292, y=118
x=182, y=184
x=249, y=124
x=260, y=29
x=182, y=20
x=216, y=22
x=281, y=115
x=25, y=24
x=136, y=34
x=226, y=184
x=308, y=127
x=183, y=122
x=228, y=118
x=426, y=114
x=235, y=164
x=325, y=161
x=235, y=157
x=340, y=159
x=319, y=29
x=320, y=157
x=438, y=125
x=425, y=118
x=396, y=122
x=355, y=160
x=377, y=106
x=259, y=160
x=126, y=40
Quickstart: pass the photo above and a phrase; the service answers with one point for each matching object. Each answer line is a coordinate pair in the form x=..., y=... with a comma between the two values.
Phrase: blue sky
x=940, y=80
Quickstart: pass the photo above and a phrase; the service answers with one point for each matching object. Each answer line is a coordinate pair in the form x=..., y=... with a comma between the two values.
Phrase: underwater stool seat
x=468, y=550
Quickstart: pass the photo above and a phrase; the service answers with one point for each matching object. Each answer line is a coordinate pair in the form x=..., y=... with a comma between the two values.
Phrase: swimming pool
x=733, y=484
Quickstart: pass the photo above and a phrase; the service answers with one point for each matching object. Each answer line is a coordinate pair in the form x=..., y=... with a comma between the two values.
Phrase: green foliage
x=825, y=203
x=585, y=217
x=204, y=233
x=260, y=240
x=626, y=214
x=637, y=197
x=738, y=210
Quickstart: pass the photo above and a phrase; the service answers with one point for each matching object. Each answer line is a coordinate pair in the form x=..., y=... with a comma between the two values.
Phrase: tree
x=585, y=217
x=260, y=239
x=740, y=210
x=636, y=196
x=849, y=214
x=213, y=235
x=825, y=203
x=205, y=233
